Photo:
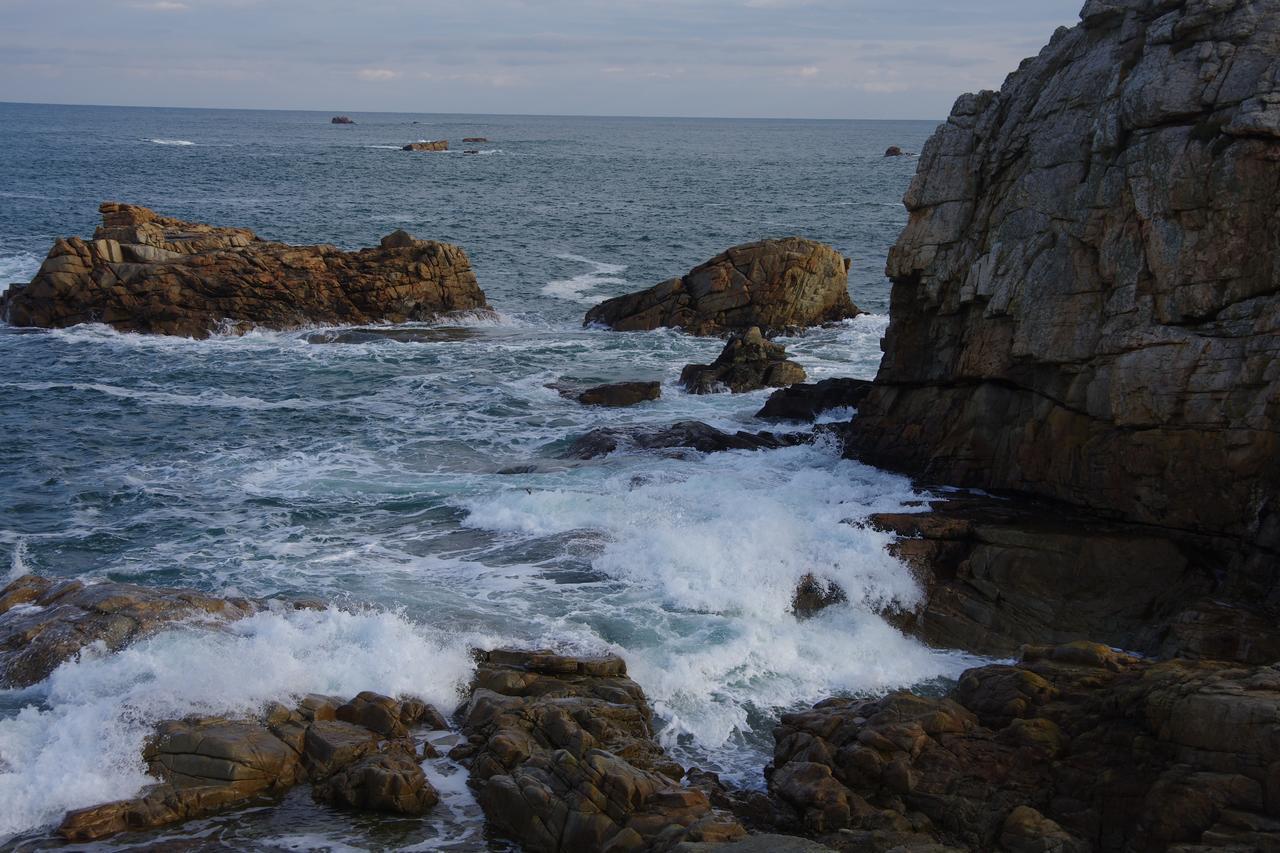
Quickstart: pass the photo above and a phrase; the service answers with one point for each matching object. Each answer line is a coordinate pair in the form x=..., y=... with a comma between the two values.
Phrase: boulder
x=685, y=435
x=813, y=595
x=390, y=782
x=428, y=145
x=562, y=758
x=147, y=273
x=1076, y=748
x=894, y=151
x=44, y=622
x=341, y=120
x=621, y=394
x=805, y=401
x=1085, y=300
x=775, y=284
x=747, y=363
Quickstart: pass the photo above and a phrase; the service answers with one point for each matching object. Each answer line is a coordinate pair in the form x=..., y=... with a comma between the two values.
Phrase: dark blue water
x=380, y=473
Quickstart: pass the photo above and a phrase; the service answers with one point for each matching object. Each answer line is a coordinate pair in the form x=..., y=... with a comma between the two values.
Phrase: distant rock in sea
x=428, y=145
x=474, y=139
x=621, y=394
x=148, y=273
x=341, y=120
x=774, y=284
x=894, y=151
x=747, y=363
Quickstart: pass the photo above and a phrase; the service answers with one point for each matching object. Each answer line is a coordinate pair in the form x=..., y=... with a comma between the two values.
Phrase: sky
x=740, y=58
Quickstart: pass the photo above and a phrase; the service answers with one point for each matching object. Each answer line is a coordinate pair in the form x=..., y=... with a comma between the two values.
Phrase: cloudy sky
x=768, y=58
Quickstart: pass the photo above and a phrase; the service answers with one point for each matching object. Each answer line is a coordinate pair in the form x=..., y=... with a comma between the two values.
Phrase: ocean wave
x=576, y=288
x=18, y=267
x=205, y=399
x=178, y=142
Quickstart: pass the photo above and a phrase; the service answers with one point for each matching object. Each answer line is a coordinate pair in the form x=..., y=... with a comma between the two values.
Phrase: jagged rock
x=1075, y=748
x=747, y=363
x=147, y=273
x=690, y=435
x=621, y=394
x=804, y=401
x=1086, y=303
x=391, y=782
x=813, y=595
x=774, y=284
x=428, y=145
x=341, y=120
x=44, y=622
x=999, y=573
x=562, y=757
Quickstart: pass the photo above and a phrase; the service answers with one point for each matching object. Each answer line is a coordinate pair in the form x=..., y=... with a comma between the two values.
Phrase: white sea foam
x=205, y=399
x=18, y=267
x=80, y=744
x=577, y=288
x=178, y=142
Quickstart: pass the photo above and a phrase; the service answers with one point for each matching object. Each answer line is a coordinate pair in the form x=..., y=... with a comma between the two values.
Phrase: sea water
x=415, y=478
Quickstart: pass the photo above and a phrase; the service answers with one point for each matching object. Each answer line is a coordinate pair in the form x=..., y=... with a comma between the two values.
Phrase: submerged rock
x=147, y=273
x=341, y=120
x=692, y=435
x=813, y=595
x=1075, y=748
x=428, y=145
x=805, y=401
x=774, y=284
x=747, y=363
x=621, y=394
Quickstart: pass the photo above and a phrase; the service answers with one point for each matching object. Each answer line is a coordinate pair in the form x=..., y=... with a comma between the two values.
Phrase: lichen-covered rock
x=747, y=363
x=148, y=273
x=774, y=284
x=1086, y=299
x=562, y=757
x=44, y=622
x=1075, y=748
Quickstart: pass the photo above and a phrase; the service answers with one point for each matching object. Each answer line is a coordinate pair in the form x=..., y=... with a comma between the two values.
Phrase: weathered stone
x=774, y=284
x=391, y=782
x=428, y=145
x=804, y=402
x=685, y=435
x=621, y=394
x=747, y=363
x=149, y=273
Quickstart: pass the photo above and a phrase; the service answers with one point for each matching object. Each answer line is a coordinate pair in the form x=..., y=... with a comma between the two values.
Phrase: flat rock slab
x=621, y=394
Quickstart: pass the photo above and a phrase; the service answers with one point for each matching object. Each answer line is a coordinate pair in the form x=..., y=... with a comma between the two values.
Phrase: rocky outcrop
x=685, y=435
x=747, y=363
x=148, y=273
x=341, y=120
x=562, y=758
x=1086, y=300
x=208, y=764
x=894, y=151
x=428, y=145
x=621, y=394
x=775, y=284
x=44, y=622
x=1075, y=748
x=474, y=139
x=805, y=401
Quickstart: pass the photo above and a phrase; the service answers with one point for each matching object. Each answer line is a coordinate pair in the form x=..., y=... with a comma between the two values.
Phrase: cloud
x=377, y=75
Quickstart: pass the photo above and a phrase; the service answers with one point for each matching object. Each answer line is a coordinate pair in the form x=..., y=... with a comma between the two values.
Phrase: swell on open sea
x=415, y=479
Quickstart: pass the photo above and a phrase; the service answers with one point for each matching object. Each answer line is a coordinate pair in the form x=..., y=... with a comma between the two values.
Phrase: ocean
x=415, y=479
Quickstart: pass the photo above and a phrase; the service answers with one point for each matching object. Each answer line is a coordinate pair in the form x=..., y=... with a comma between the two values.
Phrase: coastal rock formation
x=148, y=273
x=747, y=363
x=562, y=758
x=428, y=145
x=621, y=394
x=341, y=120
x=207, y=764
x=44, y=622
x=805, y=401
x=1086, y=300
x=775, y=284
x=894, y=151
x=474, y=139
x=684, y=435
x=1076, y=748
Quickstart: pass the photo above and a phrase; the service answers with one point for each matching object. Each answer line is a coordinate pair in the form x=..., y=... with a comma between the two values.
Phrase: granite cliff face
x=143, y=272
x=1086, y=301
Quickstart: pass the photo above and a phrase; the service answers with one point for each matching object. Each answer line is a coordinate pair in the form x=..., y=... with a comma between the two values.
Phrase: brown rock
x=428, y=145
x=474, y=139
x=774, y=284
x=391, y=782
x=894, y=151
x=621, y=394
x=813, y=595
x=747, y=363
x=148, y=273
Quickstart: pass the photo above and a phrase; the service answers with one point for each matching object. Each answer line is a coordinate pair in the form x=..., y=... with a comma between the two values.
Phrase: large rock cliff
x=1086, y=301
x=148, y=273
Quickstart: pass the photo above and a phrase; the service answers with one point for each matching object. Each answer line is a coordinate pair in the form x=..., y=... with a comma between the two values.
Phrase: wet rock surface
x=774, y=284
x=806, y=401
x=621, y=394
x=684, y=435
x=428, y=145
x=143, y=272
x=563, y=758
x=748, y=362
x=1085, y=300
x=44, y=622
x=1074, y=748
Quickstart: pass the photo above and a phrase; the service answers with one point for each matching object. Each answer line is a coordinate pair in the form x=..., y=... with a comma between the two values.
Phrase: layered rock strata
x=775, y=284
x=562, y=758
x=143, y=272
x=1086, y=300
x=1075, y=748
x=747, y=363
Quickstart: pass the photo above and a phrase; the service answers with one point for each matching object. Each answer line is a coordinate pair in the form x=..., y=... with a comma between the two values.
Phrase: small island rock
x=747, y=363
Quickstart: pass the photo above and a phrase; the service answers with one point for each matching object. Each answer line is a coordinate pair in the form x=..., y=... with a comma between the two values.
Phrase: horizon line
x=427, y=113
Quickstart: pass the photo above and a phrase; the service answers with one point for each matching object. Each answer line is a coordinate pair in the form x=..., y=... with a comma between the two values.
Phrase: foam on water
x=18, y=267
x=178, y=142
x=580, y=287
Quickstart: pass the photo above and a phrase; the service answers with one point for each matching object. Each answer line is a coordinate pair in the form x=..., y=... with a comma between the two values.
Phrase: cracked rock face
x=1086, y=300
x=774, y=284
x=143, y=272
